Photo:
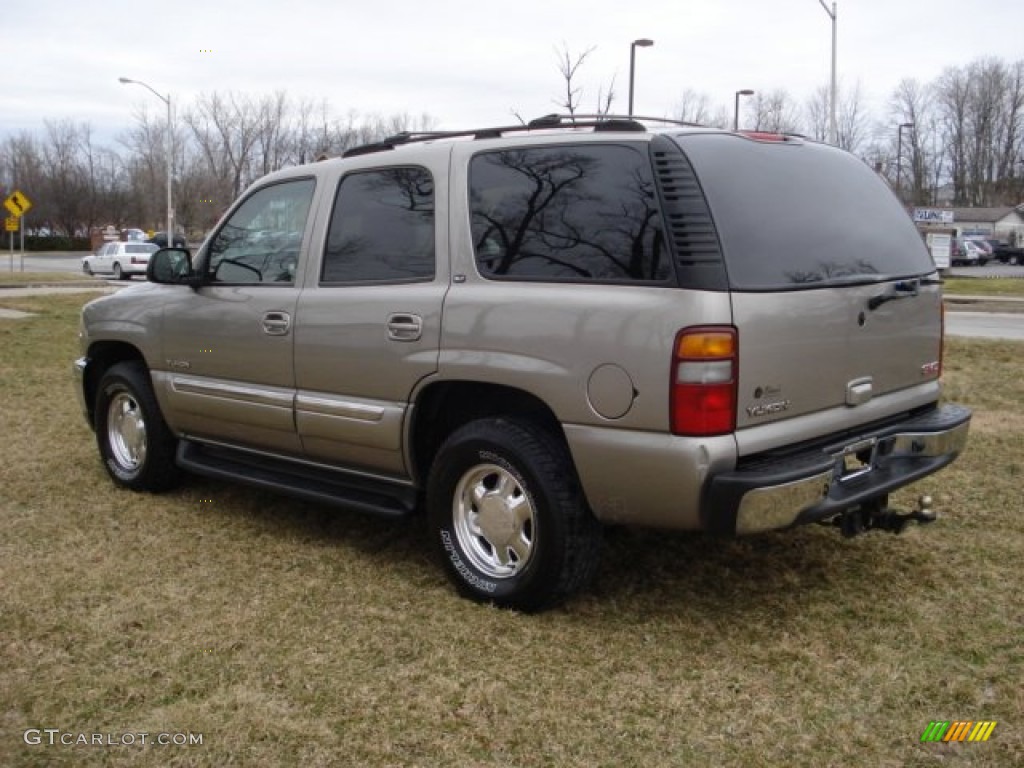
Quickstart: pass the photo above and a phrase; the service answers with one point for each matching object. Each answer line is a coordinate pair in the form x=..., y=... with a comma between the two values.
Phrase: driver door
x=228, y=345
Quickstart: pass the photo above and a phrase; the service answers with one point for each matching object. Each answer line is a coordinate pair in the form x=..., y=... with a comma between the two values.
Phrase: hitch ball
x=924, y=512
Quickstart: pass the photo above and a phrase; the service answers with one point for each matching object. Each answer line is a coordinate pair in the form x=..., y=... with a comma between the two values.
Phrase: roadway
x=986, y=325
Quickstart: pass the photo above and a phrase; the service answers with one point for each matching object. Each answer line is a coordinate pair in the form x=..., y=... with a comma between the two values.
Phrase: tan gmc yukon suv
x=536, y=330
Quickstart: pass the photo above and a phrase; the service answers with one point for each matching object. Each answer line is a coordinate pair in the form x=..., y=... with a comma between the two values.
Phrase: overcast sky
x=470, y=64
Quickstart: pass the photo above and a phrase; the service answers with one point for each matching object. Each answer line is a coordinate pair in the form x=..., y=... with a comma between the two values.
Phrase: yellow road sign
x=17, y=203
x=11, y=224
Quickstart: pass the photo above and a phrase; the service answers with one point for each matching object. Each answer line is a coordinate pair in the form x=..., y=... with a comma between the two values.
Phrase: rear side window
x=568, y=213
x=802, y=215
x=382, y=228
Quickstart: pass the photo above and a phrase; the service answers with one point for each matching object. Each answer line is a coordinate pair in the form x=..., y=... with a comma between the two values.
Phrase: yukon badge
x=766, y=409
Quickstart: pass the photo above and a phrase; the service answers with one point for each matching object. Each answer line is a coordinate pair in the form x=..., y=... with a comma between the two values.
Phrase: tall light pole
x=736, y=109
x=170, y=208
x=643, y=42
x=899, y=158
x=833, y=133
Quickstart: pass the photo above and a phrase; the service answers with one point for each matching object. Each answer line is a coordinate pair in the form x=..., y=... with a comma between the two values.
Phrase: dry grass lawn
x=990, y=286
x=39, y=278
x=288, y=634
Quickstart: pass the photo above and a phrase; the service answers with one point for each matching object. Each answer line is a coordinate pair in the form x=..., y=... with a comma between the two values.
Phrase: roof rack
x=598, y=122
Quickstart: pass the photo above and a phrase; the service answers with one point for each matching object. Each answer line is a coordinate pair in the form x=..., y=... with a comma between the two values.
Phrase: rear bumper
x=815, y=484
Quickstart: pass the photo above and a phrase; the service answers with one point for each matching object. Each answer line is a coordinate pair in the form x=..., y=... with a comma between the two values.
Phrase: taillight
x=705, y=375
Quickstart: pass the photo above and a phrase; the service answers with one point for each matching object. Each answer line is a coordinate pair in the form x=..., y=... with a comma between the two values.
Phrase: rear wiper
x=904, y=289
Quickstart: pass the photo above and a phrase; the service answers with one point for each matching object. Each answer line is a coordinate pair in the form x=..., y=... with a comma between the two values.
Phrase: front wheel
x=135, y=443
x=509, y=517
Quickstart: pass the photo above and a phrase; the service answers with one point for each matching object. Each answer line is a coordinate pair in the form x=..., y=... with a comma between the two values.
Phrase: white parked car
x=122, y=260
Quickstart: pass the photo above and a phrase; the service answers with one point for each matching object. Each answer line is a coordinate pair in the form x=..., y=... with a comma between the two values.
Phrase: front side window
x=382, y=228
x=260, y=242
x=568, y=213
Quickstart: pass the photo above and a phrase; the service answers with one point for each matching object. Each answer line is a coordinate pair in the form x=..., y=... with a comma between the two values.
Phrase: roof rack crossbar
x=599, y=122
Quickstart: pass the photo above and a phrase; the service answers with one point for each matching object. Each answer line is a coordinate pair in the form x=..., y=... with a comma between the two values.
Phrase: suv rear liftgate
x=839, y=337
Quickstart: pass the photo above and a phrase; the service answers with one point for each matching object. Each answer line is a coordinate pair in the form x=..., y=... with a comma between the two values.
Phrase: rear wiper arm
x=905, y=289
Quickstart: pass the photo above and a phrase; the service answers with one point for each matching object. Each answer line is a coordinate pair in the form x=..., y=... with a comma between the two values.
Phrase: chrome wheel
x=493, y=519
x=126, y=432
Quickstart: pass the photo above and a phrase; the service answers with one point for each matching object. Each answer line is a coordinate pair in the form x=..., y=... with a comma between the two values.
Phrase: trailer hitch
x=876, y=515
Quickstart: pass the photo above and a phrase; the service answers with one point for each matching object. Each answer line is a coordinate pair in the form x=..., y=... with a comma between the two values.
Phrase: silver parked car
x=122, y=260
x=531, y=331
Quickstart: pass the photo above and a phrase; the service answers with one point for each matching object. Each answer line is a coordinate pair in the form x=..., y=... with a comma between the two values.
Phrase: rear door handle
x=276, y=323
x=403, y=327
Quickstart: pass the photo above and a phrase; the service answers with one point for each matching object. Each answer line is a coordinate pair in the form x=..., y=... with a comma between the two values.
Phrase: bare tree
x=66, y=184
x=817, y=114
x=1010, y=167
x=1010, y=137
x=272, y=132
x=952, y=100
x=21, y=167
x=775, y=112
x=694, y=107
x=852, y=122
x=226, y=129
x=146, y=143
x=987, y=79
x=922, y=161
x=569, y=66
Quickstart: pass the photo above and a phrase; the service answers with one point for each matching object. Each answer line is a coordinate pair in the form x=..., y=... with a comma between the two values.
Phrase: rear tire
x=508, y=516
x=117, y=272
x=135, y=443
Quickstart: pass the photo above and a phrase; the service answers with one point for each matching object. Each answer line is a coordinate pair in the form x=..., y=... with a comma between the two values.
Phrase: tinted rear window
x=793, y=215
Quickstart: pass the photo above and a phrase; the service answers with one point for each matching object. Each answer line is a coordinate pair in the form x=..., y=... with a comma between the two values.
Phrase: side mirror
x=171, y=266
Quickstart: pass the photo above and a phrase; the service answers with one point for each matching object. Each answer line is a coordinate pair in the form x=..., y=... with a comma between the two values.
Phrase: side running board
x=311, y=483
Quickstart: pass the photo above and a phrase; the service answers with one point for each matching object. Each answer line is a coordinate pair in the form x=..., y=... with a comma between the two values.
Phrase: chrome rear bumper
x=780, y=491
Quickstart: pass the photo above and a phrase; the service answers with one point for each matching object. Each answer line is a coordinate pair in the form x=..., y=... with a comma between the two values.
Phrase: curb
x=61, y=284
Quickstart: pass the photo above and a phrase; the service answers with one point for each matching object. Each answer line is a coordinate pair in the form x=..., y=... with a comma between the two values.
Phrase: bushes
x=55, y=243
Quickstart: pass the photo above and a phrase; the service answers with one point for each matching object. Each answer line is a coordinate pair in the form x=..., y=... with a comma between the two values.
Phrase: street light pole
x=170, y=154
x=899, y=158
x=833, y=132
x=736, y=109
x=643, y=43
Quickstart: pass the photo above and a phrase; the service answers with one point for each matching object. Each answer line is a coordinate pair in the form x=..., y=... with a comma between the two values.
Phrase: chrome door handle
x=405, y=327
x=276, y=323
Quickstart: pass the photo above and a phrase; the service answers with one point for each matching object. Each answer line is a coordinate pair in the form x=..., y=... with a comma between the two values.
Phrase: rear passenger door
x=370, y=318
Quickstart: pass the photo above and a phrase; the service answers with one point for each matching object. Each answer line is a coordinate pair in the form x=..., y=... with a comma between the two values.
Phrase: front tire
x=135, y=443
x=508, y=516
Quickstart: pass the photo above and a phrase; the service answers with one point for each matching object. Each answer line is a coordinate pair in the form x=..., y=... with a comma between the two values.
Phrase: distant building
x=1004, y=223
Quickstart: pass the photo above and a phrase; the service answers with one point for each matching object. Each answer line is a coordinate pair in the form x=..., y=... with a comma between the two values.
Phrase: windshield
x=794, y=215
